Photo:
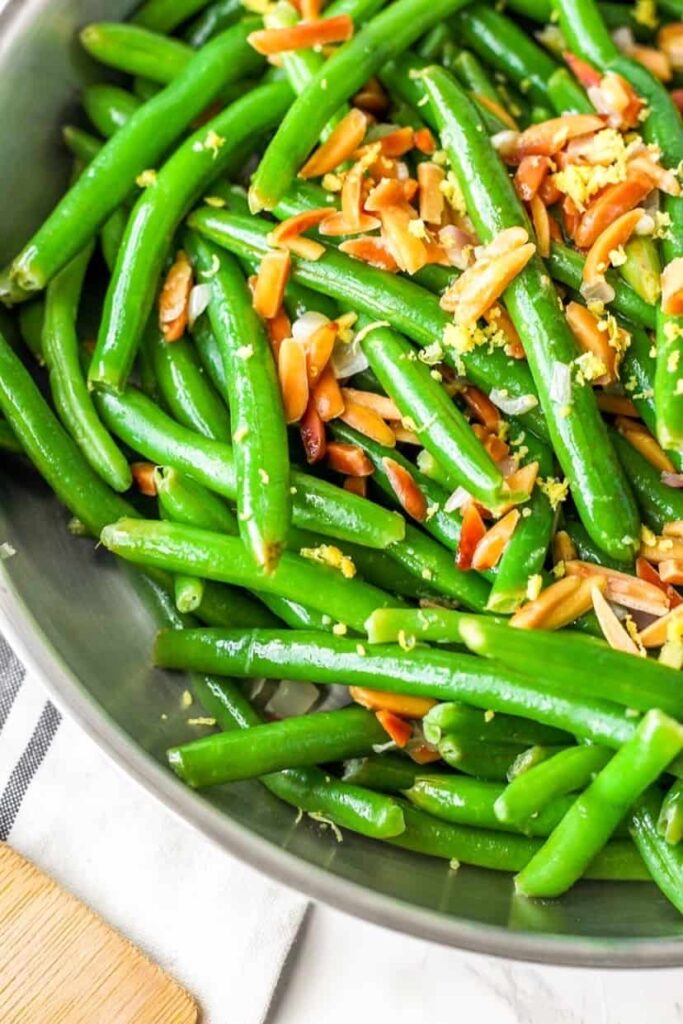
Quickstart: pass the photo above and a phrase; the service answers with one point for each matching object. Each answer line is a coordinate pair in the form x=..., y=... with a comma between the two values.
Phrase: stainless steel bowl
x=80, y=620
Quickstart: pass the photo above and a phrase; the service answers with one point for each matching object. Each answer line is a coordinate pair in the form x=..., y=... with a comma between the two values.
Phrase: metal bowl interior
x=82, y=621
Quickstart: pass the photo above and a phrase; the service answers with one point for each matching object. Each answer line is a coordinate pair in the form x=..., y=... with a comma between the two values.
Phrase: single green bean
x=486, y=727
x=184, y=501
x=566, y=95
x=31, y=320
x=670, y=820
x=81, y=144
x=663, y=861
x=600, y=491
x=482, y=760
x=389, y=773
x=642, y=269
x=317, y=505
x=166, y=15
x=107, y=181
x=136, y=50
x=109, y=107
x=598, y=810
x=527, y=795
x=422, y=672
x=69, y=392
x=587, y=550
x=214, y=19
x=658, y=503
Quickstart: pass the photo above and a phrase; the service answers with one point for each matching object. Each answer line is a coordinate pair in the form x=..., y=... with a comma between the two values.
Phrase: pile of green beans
x=314, y=483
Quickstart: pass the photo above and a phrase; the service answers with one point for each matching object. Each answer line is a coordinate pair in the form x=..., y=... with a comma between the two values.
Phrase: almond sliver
x=612, y=629
x=621, y=588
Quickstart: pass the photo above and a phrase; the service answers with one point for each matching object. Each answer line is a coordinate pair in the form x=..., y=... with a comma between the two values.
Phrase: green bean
x=407, y=307
x=184, y=501
x=670, y=820
x=389, y=773
x=663, y=861
x=166, y=15
x=260, y=452
x=109, y=178
x=317, y=505
x=188, y=591
x=136, y=50
x=587, y=550
x=81, y=144
x=642, y=269
x=581, y=664
x=473, y=76
x=109, y=107
x=31, y=320
x=156, y=215
x=507, y=48
x=51, y=450
x=566, y=95
x=209, y=353
x=214, y=19
x=482, y=760
x=504, y=852
x=423, y=672
x=111, y=236
x=597, y=811
x=486, y=727
x=70, y=395
x=528, y=795
x=432, y=43
x=566, y=266
x=439, y=424
x=196, y=552
x=378, y=41
x=599, y=489
x=531, y=757
x=525, y=552
x=429, y=561
x=309, y=789
x=467, y=801
x=295, y=614
x=182, y=382
x=291, y=743
x=658, y=503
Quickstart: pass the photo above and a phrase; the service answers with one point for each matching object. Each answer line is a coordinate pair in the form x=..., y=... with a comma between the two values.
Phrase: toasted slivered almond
x=175, y=298
x=368, y=423
x=423, y=754
x=540, y=218
x=533, y=614
x=313, y=437
x=617, y=405
x=647, y=572
x=372, y=97
x=584, y=327
x=432, y=200
x=617, y=100
x=555, y=229
x=404, y=435
x=608, y=205
x=661, y=549
x=338, y=147
x=549, y=137
x=674, y=528
x=349, y=459
x=677, y=97
x=671, y=571
x=576, y=605
x=472, y=531
x=612, y=629
x=497, y=110
x=304, y=248
x=370, y=250
x=563, y=547
x=458, y=245
x=403, y=484
x=640, y=438
x=499, y=317
x=386, y=193
x=319, y=348
x=295, y=226
x=497, y=448
x=291, y=367
x=327, y=396
x=397, y=728
x=352, y=196
x=656, y=62
x=482, y=284
x=672, y=287
x=357, y=485
x=504, y=242
x=310, y=9
x=336, y=225
x=383, y=406
x=436, y=252
x=523, y=479
x=399, y=703
x=143, y=475
x=645, y=164
x=530, y=175
x=657, y=633
x=278, y=328
x=670, y=41
x=302, y=36
x=599, y=257
x=395, y=143
x=271, y=280
x=424, y=141
x=408, y=250
x=482, y=407
x=582, y=70
x=490, y=548
x=631, y=591
x=571, y=218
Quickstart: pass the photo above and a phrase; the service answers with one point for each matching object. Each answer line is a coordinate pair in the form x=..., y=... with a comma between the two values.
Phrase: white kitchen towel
x=221, y=929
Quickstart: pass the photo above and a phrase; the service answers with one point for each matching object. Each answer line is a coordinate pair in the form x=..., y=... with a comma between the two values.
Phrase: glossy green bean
x=642, y=269
x=528, y=795
x=599, y=489
x=531, y=757
x=658, y=503
x=69, y=392
x=189, y=396
x=205, y=155
x=196, y=552
x=136, y=50
x=31, y=320
x=274, y=746
x=387, y=772
x=422, y=672
x=663, y=861
x=378, y=41
x=107, y=181
x=597, y=811
x=482, y=760
x=166, y=15
x=566, y=95
x=566, y=266
x=486, y=727
x=51, y=449
x=9, y=441
x=215, y=18
x=109, y=107
x=83, y=145
x=184, y=501
x=111, y=236
x=209, y=353
x=670, y=820
x=408, y=308
x=588, y=552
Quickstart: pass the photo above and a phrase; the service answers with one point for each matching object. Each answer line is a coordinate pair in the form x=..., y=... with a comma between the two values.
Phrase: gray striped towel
x=222, y=930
